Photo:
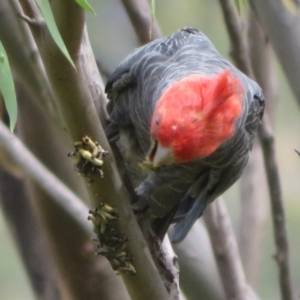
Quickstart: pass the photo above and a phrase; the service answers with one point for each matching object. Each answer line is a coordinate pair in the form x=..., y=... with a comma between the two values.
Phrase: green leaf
x=238, y=7
x=7, y=88
x=46, y=11
x=152, y=17
x=153, y=9
x=84, y=4
x=238, y=4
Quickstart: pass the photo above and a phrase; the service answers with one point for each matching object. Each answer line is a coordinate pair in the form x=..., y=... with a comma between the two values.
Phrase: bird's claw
x=141, y=210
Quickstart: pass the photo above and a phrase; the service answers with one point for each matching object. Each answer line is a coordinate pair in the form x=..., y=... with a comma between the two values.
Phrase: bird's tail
x=182, y=228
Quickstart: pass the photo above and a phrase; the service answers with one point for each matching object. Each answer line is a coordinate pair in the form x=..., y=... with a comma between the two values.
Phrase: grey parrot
x=184, y=119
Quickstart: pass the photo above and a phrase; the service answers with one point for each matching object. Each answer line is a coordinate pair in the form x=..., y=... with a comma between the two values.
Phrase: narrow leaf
x=84, y=4
x=239, y=3
x=153, y=9
x=238, y=6
x=7, y=88
x=46, y=11
x=152, y=18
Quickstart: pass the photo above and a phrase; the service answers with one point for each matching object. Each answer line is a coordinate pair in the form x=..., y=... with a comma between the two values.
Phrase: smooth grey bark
x=199, y=276
x=282, y=26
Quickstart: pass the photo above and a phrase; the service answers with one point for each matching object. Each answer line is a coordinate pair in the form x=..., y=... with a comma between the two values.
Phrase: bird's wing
x=255, y=113
x=207, y=188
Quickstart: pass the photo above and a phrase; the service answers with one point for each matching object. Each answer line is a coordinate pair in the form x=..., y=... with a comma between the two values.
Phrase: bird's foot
x=141, y=210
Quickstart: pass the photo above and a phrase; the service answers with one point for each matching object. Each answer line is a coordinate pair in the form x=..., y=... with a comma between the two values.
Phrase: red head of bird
x=194, y=116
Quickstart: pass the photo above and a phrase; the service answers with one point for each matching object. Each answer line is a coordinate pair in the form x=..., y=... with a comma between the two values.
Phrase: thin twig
x=267, y=141
x=255, y=202
x=47, y=180
x=226, y=252
x=171, y=261
x=279, y=223
x=263, y=64
x=239, y=49
x=140, y=16
x=199, y=276
x=254, y=214
x=24, y=56
x=31, y=21
x=281, y=22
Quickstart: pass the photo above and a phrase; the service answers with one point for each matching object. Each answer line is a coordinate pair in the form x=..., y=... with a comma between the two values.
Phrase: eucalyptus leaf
x=46, y=11
x=238, y=4
x=7, y=88
x=153, y=8
x=84, y=4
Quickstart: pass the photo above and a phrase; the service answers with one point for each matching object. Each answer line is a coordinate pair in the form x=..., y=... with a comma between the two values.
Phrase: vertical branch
x=267, y=142
x=239, y=49
x=226, y=252
x=145, y=26
x=254, y=204
x=281, y=21
x=263, y=63
x=24, y=56
x=85, y=275
x=199, y=276
x=278, y=216
x=254, y=214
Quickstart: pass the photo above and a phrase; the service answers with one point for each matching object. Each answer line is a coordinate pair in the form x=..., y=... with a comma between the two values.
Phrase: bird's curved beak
x=159, y=155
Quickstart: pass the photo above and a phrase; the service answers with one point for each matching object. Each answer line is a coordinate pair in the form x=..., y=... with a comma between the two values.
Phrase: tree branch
x=84, y=275
x=29, y=237
x=263, y=63
x=24, y=56
x=283, y=28
x=239, y=50
x=199, y=276
x=145, y=27
x=267, y=140
x=76, y=105
x=279, y=223
x=226, y=252
x=54, y=187
x=254, y=214
x=254, y=194
x=171, y=261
